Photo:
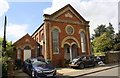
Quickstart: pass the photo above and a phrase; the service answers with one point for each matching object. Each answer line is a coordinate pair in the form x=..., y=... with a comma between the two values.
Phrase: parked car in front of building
x=37, y=67
x=84, y=61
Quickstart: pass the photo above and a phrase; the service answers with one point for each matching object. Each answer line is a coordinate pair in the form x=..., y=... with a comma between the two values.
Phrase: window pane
x=19, y=54
x=56, y=40
x=83, y=44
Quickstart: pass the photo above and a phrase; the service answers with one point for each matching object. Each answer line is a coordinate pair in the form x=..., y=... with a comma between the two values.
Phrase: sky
x=25, y=16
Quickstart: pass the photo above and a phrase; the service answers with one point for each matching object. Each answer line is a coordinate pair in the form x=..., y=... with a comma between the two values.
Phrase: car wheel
x=96, y=64
x=81, y=66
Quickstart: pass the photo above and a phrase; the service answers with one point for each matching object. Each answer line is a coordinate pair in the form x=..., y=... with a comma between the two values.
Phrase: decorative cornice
x=65, y=21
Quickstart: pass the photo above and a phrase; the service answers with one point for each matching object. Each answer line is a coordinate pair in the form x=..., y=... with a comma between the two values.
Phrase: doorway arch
x=70, y=51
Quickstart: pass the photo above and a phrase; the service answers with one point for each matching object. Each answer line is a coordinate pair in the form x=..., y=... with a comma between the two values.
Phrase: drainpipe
x=70, y=53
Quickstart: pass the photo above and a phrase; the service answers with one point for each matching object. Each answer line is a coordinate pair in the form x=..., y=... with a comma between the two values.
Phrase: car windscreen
x=33, y=60
x=39, y=63
x=79, y=57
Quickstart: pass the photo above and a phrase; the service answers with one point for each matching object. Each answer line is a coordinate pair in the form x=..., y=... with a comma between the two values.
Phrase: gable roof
x=55, y=13
x=22, y=41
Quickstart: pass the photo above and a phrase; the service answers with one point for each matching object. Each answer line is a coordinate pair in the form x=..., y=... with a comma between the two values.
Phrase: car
x=83, y=61
x=38, y=68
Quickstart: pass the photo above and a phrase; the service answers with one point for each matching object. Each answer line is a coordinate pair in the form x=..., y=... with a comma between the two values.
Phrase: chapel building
x=63, y=36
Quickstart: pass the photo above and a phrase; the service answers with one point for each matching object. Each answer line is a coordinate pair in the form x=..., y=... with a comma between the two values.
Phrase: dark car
x=84, y=61
x=38, y=68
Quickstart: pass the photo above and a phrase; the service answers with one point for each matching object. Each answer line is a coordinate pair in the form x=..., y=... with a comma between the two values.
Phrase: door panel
x=27, y=54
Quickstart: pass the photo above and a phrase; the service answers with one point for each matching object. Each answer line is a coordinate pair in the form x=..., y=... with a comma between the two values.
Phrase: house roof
x=38, y=29
x=23, y=41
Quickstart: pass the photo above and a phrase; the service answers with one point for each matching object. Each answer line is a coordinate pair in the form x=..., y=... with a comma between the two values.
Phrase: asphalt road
x=111, y=73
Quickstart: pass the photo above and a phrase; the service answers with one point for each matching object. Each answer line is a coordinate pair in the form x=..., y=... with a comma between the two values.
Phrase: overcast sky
x=25, y=16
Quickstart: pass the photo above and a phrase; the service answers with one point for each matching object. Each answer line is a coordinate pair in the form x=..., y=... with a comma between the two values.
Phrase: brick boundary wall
x=112, y=57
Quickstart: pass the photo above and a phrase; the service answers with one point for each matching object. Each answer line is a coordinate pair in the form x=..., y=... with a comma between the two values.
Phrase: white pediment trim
x=67, y=9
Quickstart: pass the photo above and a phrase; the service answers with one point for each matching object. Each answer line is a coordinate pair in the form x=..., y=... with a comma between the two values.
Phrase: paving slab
x=81, y=72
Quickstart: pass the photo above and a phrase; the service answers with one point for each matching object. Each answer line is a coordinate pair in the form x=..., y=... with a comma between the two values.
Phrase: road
x=111, y=73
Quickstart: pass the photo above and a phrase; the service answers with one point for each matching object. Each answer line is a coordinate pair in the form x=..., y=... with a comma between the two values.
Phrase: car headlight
x=54, y=70
x=37, y=70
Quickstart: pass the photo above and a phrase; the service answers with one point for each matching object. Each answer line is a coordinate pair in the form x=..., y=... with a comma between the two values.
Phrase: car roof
x=35, y=58
x=86, y=55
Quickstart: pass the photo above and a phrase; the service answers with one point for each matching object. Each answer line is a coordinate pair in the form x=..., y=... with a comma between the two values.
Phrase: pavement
x=20, y=74
x=70, y=72
x=81, y=72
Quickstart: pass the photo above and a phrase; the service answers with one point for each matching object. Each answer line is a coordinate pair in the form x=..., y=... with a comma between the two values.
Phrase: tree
x=117, y=41
x=110, y=30
x=102, y=43
x=1, y=46
x=8, y=54
x=99, y=31
x=117, y=37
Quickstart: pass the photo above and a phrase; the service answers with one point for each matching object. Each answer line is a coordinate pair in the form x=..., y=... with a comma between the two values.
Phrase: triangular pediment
x=67, y=13
x=27, y=39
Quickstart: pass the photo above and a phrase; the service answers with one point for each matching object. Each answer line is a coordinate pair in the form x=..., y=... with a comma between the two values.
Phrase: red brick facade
x=63, y=36
x=66, y=16
x=20, y=45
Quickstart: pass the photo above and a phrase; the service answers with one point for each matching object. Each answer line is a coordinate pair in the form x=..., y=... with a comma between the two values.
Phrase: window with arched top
x=27, y=48
x=55, y=36
x=83, y=43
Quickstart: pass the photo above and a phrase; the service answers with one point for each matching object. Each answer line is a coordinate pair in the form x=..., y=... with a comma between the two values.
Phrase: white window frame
x=83, y=42
x=55, y=41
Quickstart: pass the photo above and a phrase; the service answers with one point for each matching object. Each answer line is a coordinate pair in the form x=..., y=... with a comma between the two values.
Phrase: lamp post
x=4, y=39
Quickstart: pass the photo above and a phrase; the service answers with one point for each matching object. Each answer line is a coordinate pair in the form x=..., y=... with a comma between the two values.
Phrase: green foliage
x=99, y=54
x=99, y=30
x=117, y=47
x=102, y=43
x=117, y=42
x=110, y=29
x=105, y=39
x=9, y=48
x=117, y=37
x=8, y=54
x=1, y=39
x=102, y=29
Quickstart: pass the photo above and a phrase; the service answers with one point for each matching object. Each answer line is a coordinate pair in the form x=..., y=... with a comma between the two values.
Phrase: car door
x=88, y=61
x=91, y=60
x=85, y=60
x=27, y=65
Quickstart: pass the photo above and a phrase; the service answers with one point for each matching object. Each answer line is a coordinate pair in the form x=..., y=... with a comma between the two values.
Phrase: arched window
x=83, y=43
x=55, y=36
x=27, y=48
